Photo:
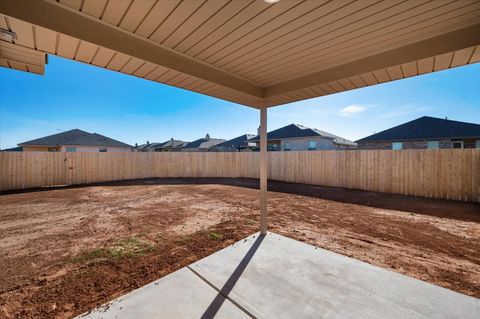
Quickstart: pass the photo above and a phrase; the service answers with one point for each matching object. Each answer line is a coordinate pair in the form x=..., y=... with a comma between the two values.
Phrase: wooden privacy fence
x=450, y=174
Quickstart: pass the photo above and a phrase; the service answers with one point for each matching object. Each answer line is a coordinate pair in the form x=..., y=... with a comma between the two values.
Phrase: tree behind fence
x=450, y=174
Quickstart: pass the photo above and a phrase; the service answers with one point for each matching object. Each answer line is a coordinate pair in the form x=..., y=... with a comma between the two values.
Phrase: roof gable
x=56, y=139
x=75, y=137
x=426, y=127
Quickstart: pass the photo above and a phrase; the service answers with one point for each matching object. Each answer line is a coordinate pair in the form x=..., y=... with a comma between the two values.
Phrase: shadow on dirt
x=418, y=205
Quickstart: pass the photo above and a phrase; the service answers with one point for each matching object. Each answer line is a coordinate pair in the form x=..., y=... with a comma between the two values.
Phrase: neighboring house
x=425, y=133
x=13, y=149
x=168, y=146
x=238, y=144
x=154, y=147
x=75, y=141
x=138, y=148
x=202, y=145
x=142, y=147
x=296, y=137
x=173, y=145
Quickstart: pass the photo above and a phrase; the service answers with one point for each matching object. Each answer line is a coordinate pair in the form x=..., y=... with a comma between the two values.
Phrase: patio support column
x=263, y=170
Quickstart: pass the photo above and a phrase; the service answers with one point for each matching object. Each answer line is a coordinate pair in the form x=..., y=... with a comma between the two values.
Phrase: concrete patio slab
x=276, y=277
x=181, y=294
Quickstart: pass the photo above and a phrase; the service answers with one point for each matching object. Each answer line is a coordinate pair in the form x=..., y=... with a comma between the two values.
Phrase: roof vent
x=207, y=137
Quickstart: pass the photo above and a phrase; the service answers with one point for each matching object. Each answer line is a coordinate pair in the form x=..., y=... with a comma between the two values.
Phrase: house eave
x=418, y=139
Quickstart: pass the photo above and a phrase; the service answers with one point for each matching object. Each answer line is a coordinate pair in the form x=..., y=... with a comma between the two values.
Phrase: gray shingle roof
x=426, y=127
x=296, y=130
x=204, y=143
x=237, y=141
x=75, y=137
x=173, y=143
x=141, y=146
x=155, y=145
x=13, y=149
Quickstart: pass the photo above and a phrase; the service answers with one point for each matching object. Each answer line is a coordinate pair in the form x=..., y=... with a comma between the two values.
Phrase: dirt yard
x=64, y=251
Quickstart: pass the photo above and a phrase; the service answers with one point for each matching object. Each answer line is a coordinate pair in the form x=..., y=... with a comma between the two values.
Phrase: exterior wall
x=301, y=144
x=271, y=146
x=171, y=149
x=211, y=149
x=345, y=147
x=113, y=149
x=110, y=149
x=224, y=149
x=444, y=144
x=38, y=148
x=470, y=143
x=233, y=149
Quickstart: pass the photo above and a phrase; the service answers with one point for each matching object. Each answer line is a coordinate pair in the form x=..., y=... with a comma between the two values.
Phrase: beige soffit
x=21, y=58
x=251, y=52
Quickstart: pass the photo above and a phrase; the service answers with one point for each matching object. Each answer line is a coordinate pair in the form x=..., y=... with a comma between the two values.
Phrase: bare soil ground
x=64, y=251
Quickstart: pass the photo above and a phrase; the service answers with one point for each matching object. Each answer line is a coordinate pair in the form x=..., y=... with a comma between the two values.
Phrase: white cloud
x=352, y=110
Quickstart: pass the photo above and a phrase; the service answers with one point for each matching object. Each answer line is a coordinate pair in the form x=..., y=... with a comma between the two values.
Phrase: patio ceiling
x=248, y=51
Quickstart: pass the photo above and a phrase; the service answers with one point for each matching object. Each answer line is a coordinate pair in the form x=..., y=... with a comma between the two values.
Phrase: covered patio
x=260, y=54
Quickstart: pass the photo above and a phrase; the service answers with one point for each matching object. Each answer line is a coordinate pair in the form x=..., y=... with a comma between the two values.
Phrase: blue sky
x=75, y=95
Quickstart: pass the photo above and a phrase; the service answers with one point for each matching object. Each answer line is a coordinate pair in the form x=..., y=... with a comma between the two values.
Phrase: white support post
x=263, y=171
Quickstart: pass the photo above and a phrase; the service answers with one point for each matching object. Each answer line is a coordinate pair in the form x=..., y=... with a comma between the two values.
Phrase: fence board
x=449, y=174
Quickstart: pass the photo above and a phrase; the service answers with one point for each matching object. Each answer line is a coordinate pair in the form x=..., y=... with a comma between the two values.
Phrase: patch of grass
x=183, y=240
x=130, y=247
x=125, y=248
x=91, y=256
x=214, y=236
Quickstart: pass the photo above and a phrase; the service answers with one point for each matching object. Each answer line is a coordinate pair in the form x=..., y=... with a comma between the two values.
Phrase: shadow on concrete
x=419, y=205
x=224, y=292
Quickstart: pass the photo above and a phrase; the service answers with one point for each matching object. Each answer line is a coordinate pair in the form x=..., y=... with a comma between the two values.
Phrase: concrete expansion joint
x=219, y=291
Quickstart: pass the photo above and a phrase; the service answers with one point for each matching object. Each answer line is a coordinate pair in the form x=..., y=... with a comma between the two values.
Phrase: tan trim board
x=83, y=27
x=453, y=41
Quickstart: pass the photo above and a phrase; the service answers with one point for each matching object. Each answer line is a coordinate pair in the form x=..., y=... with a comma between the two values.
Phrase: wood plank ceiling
x=288, y=51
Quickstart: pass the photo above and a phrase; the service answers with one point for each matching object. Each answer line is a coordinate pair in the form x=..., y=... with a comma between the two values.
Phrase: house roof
x=204, y=143
x=155, y=145
x=75, y=137
x=141, y=146
x=297, y=130
x=13, y=149
x=169, y=143
x=426, y=127
x=174, y=143
x=237, y=141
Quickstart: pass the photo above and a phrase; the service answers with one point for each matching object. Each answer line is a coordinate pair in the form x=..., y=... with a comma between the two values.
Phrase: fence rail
x=449, y=174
